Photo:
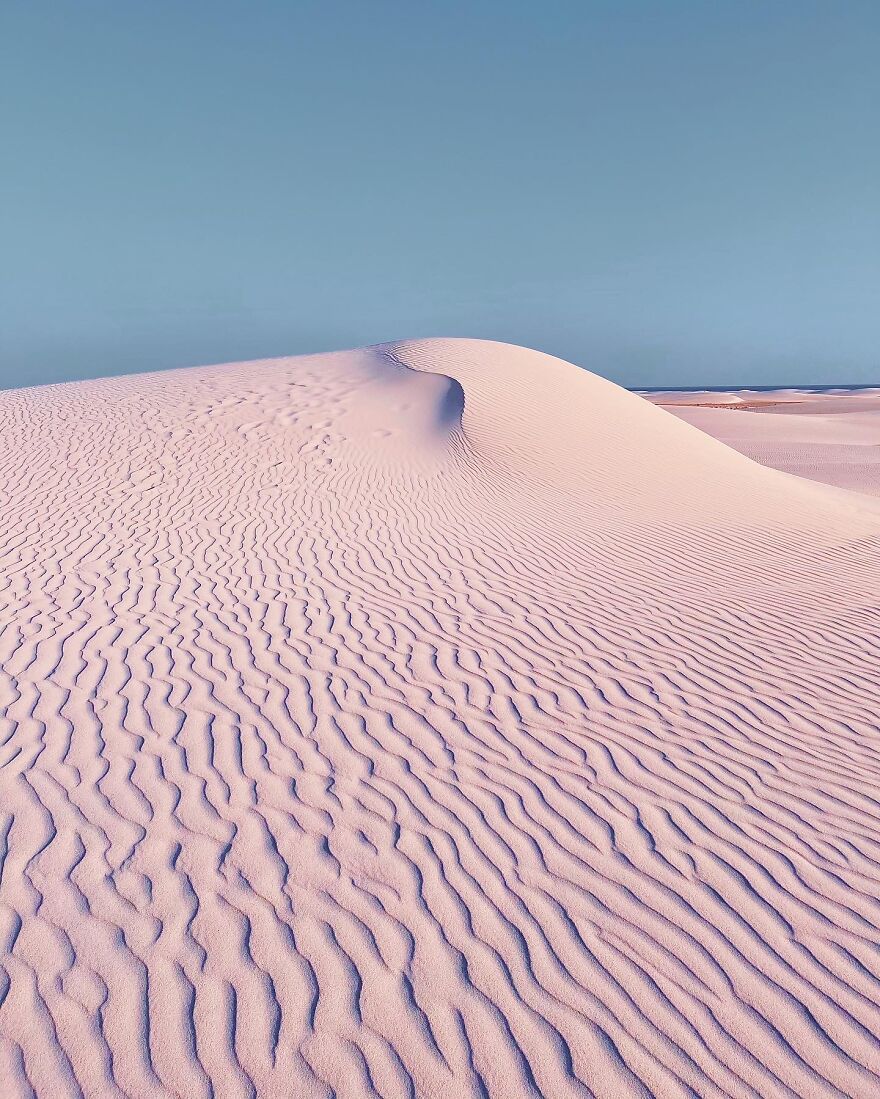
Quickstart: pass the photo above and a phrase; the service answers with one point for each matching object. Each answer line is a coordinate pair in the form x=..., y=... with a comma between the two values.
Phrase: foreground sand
x=432, y=720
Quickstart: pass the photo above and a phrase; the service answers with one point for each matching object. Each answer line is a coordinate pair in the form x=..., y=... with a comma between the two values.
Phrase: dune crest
x=432, y=719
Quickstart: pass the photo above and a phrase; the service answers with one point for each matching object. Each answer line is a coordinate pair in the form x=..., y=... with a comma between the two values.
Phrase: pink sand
x=829, y=437
x=432, y=720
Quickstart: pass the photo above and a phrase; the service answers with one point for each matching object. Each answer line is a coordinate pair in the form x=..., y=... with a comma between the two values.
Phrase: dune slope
x=435, y=719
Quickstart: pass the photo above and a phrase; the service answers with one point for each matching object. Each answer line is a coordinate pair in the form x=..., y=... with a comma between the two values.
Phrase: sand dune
x=431, y=720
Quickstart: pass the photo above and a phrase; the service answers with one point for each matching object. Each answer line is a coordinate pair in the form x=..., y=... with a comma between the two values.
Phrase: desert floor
x=831, y=437
x=437, y=720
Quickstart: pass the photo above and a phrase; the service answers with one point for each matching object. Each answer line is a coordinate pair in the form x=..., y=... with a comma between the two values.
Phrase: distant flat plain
x=830, y=435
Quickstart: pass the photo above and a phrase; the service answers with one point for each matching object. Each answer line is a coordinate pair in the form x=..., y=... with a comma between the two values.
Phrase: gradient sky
x=665, y=191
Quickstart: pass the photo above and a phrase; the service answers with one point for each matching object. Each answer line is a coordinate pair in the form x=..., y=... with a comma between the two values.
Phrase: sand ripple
x=437, y=720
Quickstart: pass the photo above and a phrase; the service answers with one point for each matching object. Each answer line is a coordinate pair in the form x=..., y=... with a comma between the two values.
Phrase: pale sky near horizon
x=668, y=192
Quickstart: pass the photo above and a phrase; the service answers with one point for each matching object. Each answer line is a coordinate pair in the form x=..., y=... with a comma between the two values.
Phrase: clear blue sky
x=666, y=191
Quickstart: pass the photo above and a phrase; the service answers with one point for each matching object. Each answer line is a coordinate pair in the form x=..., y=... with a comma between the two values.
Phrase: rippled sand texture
x=433, y=720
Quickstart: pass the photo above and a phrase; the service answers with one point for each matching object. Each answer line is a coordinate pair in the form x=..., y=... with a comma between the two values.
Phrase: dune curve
x=431, y=719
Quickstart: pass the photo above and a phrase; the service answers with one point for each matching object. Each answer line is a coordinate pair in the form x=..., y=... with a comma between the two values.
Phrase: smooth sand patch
x=830, y=437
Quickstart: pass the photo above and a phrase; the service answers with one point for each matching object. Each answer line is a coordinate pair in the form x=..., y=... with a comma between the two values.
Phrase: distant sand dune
x=431, y=720
x=831, y=437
